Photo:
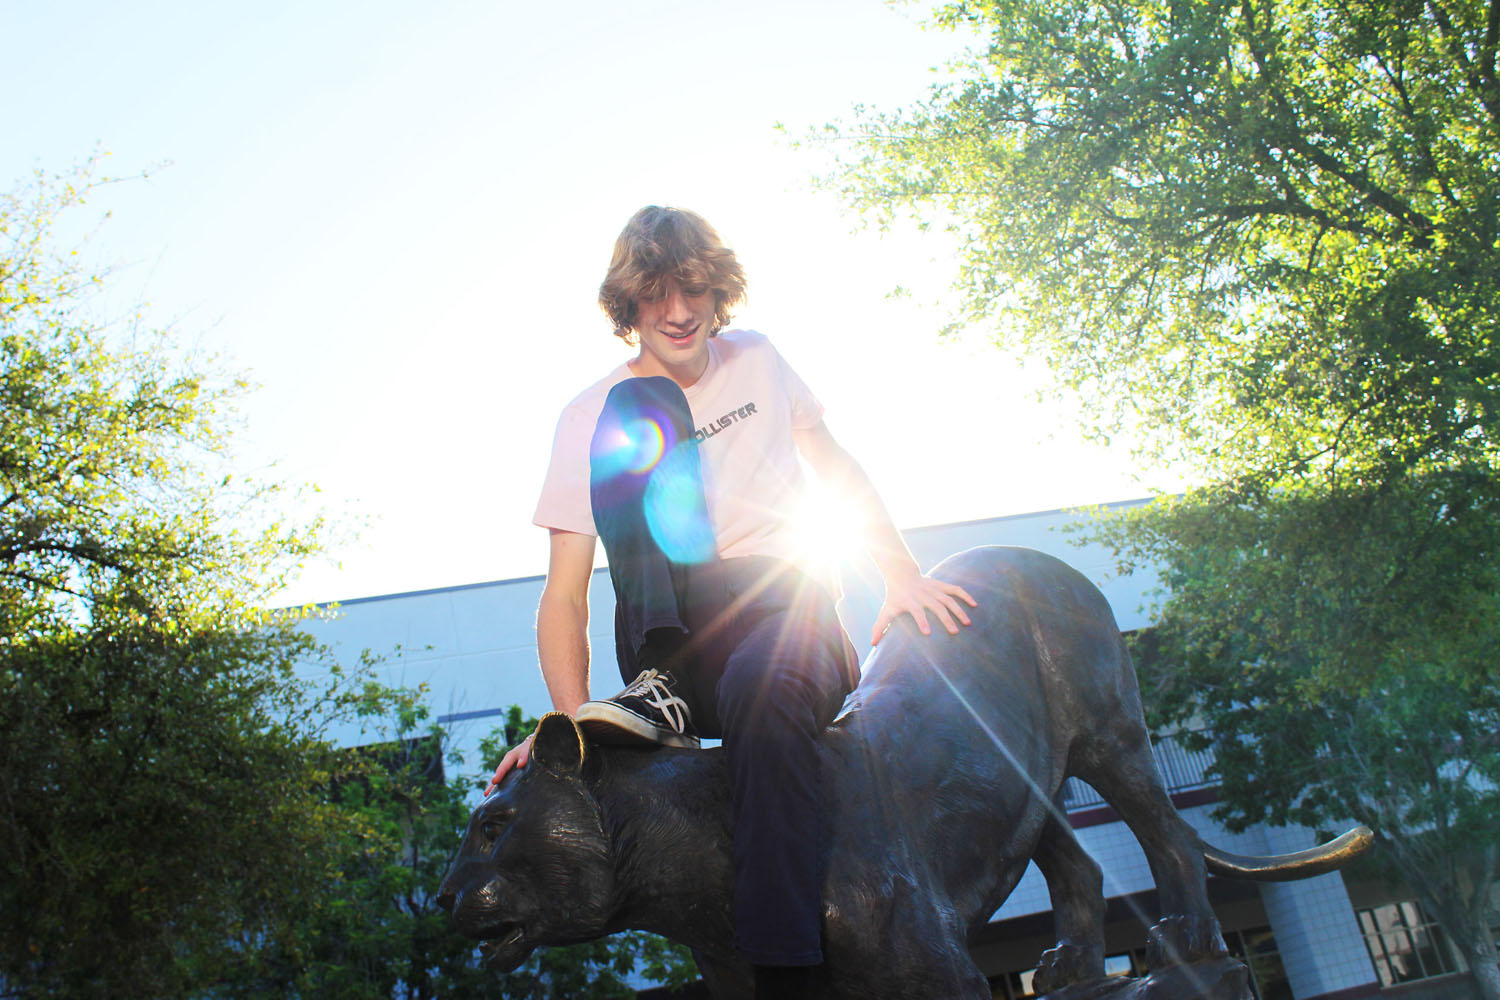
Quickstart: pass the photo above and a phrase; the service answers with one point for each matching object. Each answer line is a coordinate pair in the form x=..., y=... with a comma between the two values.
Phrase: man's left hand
x=917, y=595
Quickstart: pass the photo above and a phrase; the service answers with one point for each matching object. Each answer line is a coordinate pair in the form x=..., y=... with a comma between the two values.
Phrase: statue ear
x=559, y=745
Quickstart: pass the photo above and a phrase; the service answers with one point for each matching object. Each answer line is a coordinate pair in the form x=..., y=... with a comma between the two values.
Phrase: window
x=1404, y=943
x=1012, y=986
x=1257, y=949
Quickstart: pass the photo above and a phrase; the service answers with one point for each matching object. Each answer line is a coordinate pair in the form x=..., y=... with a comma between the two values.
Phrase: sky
x=393, y=220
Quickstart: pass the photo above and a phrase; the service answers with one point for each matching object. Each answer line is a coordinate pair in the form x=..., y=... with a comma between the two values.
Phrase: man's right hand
x=516, y=757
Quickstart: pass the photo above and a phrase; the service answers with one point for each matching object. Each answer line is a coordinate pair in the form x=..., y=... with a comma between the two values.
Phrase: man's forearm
x=562, y=644
x=882, y=539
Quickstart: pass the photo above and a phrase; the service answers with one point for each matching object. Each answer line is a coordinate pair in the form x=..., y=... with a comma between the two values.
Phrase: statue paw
x=1066, y=963
x=1180, y=939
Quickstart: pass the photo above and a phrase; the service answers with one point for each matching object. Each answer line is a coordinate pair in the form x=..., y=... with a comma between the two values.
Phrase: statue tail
x=1290, y=867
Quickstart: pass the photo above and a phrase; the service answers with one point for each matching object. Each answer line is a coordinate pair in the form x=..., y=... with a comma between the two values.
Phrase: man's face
x=673, y=331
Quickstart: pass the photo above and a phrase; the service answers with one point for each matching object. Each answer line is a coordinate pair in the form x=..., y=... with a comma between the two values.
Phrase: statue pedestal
x=1216, y=979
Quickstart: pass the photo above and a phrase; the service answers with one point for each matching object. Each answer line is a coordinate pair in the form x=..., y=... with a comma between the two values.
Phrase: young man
x=684, y=462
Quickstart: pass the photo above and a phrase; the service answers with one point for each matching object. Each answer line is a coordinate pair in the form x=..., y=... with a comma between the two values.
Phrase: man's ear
x=559, y=745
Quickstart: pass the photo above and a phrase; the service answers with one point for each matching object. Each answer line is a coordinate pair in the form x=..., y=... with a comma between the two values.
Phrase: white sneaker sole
x=607, y=723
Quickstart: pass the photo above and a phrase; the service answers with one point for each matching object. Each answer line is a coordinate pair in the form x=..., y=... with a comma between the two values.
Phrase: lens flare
x=648, y=442
x=634, y=447
x=675, y=510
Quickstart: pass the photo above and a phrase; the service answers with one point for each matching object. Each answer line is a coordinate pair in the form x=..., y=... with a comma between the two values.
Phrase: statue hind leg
x=1076, y=886
x=1123, y=771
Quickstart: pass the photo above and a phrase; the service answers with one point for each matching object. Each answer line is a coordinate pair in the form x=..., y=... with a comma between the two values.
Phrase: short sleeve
x=805, y=408
x=565, y=503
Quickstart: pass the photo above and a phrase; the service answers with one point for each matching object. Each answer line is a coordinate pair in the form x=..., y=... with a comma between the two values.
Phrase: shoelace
x=652, y=688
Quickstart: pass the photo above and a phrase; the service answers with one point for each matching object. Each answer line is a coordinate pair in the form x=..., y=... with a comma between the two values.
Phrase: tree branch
x=1287, y=122
x=1491, y=40
x=1455, y=40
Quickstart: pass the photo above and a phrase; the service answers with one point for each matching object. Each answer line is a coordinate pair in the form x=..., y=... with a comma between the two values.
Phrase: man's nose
x=677, y=311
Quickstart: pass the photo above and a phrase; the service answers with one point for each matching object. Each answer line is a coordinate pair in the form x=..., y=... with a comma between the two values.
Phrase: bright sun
x=826, y=529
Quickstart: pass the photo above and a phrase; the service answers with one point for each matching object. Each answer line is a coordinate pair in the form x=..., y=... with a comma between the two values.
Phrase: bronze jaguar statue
x=944, y=775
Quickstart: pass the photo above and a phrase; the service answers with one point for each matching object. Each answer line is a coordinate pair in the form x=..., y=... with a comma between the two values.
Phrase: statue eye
x=495, y=824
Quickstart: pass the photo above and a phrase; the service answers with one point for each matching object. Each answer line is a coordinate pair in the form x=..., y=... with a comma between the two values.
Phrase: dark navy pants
x=763, y=662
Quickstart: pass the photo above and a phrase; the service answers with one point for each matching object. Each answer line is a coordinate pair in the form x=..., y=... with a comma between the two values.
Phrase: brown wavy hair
x=658, y=244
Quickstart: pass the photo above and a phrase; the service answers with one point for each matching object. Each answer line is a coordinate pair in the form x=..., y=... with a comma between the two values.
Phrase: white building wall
x=474, y=646
x=1316, y=930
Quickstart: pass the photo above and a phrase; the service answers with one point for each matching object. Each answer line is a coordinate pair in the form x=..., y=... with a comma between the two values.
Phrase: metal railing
x=1181, y=770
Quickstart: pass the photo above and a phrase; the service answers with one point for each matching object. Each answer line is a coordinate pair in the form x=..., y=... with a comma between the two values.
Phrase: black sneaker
x=645, y=712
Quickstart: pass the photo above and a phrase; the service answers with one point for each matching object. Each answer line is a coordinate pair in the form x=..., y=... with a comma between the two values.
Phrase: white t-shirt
x=745, y=408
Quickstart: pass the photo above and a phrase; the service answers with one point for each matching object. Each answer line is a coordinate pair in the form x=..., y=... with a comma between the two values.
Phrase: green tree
x=1263, y=238
x=162, y=767
x=1339, y=676
x=374, y=930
